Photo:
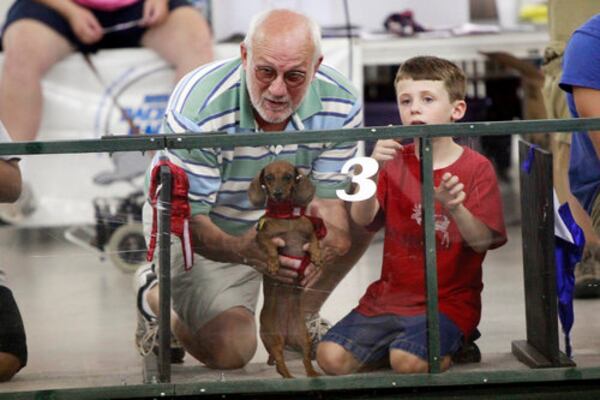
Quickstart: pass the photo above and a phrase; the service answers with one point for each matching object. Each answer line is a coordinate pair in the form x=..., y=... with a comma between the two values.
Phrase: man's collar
x=309, y=107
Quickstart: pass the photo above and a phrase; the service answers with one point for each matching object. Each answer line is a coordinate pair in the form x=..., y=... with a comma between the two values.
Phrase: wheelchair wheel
x=126, y=247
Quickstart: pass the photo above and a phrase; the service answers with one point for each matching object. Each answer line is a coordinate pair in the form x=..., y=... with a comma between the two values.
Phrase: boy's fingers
x=457, y=189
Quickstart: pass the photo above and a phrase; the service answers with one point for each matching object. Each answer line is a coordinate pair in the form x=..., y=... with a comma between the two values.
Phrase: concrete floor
x=80, y=317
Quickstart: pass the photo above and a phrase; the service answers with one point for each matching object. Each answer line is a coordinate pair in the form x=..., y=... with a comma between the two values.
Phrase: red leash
x=180, y=210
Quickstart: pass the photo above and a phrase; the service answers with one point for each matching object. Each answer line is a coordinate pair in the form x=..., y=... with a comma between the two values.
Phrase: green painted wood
x=112, y=144
x=508, y=384
x=431, y=281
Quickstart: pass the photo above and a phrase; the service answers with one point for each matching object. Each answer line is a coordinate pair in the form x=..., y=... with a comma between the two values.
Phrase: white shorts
x=209, y=287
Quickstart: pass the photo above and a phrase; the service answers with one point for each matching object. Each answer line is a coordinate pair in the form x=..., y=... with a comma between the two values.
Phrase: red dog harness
x=286, y=210
x=180, y=210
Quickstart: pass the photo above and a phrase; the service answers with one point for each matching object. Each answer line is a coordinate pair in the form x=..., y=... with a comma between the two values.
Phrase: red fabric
x=286, y=210
x=401, y=287
x=180, y=209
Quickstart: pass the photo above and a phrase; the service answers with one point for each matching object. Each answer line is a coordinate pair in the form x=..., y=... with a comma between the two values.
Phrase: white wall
x=233, y=16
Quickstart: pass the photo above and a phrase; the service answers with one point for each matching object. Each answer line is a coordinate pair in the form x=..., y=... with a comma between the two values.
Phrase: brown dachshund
x=287, y=192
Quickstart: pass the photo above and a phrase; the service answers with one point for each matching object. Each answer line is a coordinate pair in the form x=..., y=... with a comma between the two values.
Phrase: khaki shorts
x=209, y=287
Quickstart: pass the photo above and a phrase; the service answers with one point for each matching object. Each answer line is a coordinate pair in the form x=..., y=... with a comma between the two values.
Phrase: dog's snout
x=278, y=193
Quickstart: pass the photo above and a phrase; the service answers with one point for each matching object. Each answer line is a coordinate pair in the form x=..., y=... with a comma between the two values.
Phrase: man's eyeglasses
x=292, y=78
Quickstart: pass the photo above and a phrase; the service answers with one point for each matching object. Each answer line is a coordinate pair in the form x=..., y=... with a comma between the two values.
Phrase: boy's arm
x=451, y=194
x=477, y=235
x=363, y=212
x=10, y=180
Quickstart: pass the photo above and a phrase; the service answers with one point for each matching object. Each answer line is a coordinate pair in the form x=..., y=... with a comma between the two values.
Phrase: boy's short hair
x=434, y=69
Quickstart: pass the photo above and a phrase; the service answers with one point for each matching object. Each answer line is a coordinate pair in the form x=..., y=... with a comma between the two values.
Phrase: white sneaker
x=26, y=204
x=146, y=333
x=317, y=327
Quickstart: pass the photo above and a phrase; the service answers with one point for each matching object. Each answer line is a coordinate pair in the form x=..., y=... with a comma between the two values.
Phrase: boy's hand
x=450, y=192
x=385, y=150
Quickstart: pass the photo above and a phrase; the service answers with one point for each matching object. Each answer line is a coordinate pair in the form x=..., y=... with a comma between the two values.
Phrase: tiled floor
x=80, y=317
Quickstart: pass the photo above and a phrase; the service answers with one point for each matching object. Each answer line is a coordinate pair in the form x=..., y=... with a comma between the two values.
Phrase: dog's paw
x=317, y=262
x=272, y=267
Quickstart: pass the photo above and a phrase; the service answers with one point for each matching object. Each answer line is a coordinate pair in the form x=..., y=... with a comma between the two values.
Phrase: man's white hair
x=313, y=28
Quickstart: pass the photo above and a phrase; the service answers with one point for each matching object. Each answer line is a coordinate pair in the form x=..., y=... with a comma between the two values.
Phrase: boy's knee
x=334, y=359
x=403, y=362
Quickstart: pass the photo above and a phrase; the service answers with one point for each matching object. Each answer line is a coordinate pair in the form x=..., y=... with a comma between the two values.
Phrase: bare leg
x=227, y=341
x=184, y=40
x=336, y=360
x=30, y=50
x=406, y=363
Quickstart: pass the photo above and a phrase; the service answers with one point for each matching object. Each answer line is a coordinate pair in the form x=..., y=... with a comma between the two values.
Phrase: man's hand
x=85, y=25
x=450, y=192
x=155, y=12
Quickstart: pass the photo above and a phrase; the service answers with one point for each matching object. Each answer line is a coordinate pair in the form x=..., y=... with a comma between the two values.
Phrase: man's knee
x=9, y=366
x=335, y=360
x=228, y=341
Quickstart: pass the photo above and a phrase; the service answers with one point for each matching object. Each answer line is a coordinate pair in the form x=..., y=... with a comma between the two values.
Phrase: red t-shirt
x=401, y=287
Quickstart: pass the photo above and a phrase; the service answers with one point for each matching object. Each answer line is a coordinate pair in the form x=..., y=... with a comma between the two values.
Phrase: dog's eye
x=287, y=177
x=269, y=178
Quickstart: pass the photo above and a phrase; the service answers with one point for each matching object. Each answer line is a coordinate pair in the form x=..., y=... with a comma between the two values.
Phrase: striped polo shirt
x=214, y=99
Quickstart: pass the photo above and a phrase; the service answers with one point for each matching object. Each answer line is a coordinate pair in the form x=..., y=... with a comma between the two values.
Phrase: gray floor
x=80, y=317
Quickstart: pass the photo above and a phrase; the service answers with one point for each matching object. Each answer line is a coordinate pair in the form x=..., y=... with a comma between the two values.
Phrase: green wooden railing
x=114, y=144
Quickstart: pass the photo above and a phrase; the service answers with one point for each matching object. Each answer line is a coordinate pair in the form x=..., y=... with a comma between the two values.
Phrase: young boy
x=389, y=325
x=13, y=348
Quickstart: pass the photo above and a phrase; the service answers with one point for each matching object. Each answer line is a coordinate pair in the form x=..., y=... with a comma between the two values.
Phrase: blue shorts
x=31, y=9
x=370, y=339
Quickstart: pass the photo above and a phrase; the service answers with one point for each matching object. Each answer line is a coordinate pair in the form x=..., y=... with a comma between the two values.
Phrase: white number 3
x=366, y=186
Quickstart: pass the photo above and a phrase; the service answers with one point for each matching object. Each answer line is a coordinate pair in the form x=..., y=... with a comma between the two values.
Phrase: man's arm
x=10, y=181
x=211, y=242
x=587, y=102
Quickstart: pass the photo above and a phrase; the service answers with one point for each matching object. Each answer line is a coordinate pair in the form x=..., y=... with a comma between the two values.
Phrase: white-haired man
x=277, y=84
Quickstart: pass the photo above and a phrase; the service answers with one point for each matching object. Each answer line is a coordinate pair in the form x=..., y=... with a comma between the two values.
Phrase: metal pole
x=433, y=323
x=164, y=282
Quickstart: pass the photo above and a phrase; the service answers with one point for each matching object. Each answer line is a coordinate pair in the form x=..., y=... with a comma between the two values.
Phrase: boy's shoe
x=587, y=274
x=468, y=353
x=146, y=333
x=26, y=204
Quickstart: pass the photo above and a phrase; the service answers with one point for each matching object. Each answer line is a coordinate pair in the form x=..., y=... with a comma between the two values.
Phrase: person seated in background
x=13, y=345
x=278, y=83
x=581, y=82
x=389, y=326
x=39, y=33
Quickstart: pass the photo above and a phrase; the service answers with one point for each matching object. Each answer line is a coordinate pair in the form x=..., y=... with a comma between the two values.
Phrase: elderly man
x=278, y=84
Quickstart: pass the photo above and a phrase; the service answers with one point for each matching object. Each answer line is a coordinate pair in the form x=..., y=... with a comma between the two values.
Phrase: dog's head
x=281, y=181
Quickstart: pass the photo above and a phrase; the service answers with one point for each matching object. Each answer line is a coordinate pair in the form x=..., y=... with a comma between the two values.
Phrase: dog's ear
x=304, y=190
x=256, y=191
